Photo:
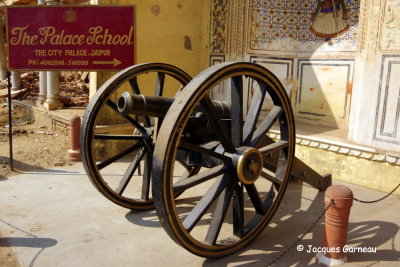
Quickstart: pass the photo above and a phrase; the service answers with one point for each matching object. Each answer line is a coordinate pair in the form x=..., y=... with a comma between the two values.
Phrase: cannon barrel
x=157, y=106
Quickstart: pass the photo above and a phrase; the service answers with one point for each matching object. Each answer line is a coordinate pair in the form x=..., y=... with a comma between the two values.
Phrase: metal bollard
x=336, y=225
x=74, y=152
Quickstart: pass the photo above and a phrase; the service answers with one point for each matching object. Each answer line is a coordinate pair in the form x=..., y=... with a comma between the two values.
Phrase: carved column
x=53, y=100
x=16, y=80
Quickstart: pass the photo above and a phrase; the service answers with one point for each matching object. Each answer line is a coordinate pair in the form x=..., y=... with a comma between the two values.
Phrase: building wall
x=168, y=32
x=276, y=34
x=348, y=82
x=376, y=99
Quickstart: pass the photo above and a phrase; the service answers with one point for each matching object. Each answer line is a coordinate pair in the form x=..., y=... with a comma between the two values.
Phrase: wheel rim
x=228, y=212
x=117, y=149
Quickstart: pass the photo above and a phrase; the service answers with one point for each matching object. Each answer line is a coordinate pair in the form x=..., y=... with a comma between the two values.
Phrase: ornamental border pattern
x=341, y=148
x=219, y=26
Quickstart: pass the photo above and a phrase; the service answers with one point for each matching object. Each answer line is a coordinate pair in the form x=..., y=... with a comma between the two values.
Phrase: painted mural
x=330, y=19
x=285, y=25
x=390, y=34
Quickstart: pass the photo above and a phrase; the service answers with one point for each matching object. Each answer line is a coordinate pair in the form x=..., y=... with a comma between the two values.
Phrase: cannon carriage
x=208, y=166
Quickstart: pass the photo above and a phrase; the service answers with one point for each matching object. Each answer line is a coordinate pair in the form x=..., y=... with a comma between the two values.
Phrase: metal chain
x=29, y=234
x=331, y=203
x=19, y=229
x=374, y=201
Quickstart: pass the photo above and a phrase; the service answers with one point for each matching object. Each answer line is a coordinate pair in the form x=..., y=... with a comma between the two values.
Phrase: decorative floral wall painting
x=330, y=19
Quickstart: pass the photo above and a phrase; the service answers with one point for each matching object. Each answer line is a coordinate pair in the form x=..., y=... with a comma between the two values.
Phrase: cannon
x=208, y=166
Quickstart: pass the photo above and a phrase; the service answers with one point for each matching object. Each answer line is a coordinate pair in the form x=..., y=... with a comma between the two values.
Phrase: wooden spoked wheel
x=117, y=149
x=225, y=206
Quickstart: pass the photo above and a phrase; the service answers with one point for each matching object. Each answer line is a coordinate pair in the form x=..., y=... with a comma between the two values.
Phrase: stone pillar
x=15, y=80
x=53, y=100
x=52, y=2
x=42, y=87
x=3, y=52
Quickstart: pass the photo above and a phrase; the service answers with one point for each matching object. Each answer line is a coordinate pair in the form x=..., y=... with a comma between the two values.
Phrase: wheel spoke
x=134, y=86
x=118, y=137
x=205, y=202
x=184, y=184
x=237, y=110
x=255, y=198
x=158, y=91
x=219, y=215
x=120, y=155
x=281, y=167
x=113, y=106
x=238, y=211
x=274, y=147
x=270, y=176
x=204, y=151
x=146, y=176
x=265, y=125
x=254, y=112
x=269, y=200
x=130, y=171
x=188, y=173
x=215, y=123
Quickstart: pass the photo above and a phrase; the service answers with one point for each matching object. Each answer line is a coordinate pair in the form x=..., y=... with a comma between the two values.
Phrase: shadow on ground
x=21, y=167
x=293, y=221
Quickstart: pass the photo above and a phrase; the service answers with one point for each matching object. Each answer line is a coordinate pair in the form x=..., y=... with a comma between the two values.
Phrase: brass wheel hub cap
x=249, y=165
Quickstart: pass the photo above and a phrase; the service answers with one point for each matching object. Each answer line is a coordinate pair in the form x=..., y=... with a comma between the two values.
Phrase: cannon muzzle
x=155, y=106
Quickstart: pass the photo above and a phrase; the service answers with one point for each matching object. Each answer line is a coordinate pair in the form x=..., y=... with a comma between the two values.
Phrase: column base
x=39, y=102
x=73, y=155
x=324, y=260
x=53, y=106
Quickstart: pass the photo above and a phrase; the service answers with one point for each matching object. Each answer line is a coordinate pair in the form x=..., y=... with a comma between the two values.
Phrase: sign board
x=71, y=37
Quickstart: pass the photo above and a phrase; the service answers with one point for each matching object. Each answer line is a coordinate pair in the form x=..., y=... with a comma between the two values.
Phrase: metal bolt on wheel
x=230, y=201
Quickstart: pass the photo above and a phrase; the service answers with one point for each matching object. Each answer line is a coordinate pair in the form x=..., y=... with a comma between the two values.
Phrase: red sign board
x=71, y=37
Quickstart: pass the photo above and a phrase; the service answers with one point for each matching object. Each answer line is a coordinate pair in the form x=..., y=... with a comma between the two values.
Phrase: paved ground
x=57, y=218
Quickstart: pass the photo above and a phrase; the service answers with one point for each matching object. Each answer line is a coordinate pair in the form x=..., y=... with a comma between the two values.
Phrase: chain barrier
x=331, y=203
x=374, y=201
x=29, y=234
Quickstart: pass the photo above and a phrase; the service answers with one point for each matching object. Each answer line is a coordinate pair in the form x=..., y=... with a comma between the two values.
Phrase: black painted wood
x=205, y=202
x=130, y=171
x=158, y=91
x=196, y=148
x=202, y=177
x=274, y=147
x=219, y=214
x=237, y=110
x=148, y=159
x=118, y=137
x=254, y=112
x=119, y=155
x=255, y=198
x=265, y=125
x=238, y=211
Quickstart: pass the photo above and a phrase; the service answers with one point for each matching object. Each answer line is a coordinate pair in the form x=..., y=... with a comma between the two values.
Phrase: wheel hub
x=249, y=165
